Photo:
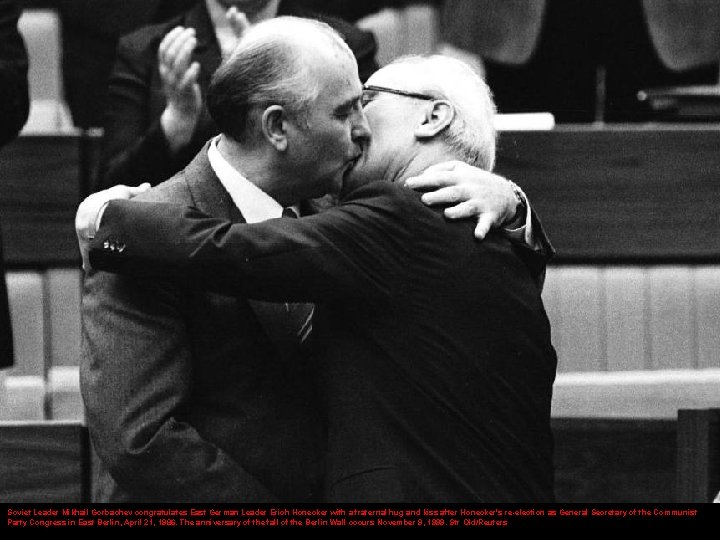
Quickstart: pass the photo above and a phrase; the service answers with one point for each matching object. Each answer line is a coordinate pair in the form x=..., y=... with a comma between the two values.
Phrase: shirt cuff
x=524, y=233
x=98, y=218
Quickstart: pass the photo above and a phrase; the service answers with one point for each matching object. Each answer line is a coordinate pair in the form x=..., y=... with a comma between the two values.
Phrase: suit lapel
x=207, y=192
x=286, y=325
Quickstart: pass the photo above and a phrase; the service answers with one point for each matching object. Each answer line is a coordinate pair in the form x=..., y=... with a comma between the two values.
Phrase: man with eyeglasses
x=432, y=349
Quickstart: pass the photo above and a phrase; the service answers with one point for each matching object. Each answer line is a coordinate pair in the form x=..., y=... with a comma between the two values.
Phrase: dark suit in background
x=90, y=33
x=186, y=398
x=437, y=363
x=134, y=146
x=14, y=109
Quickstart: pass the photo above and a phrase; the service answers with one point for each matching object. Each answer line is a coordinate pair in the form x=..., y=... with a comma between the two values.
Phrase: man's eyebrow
x=349, y=103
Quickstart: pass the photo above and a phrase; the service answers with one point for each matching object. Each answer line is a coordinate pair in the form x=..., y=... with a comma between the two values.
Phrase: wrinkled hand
x=475, y=193
x=179, y=78
x=88, y=215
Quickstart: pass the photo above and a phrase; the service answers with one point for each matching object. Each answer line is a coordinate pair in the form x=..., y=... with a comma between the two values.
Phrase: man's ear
x=436, y=118
x=274, y=127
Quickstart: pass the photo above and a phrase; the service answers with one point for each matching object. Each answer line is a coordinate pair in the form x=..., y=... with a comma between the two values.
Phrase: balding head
x=276, y=62
x=471, y=135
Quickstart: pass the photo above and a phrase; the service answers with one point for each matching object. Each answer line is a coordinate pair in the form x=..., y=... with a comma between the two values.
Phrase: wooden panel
x=672, y=317
x=621, y=192
x=22, y=397
x=698, y=448
x=43, y=462
x=27, y=313
x=63, y=301
x=614, y=461
x=625, y=318
x=634, y=394
x=643, y=192
x=707, y=293
x=39, y=194
x=582, y=346
x=63, y=394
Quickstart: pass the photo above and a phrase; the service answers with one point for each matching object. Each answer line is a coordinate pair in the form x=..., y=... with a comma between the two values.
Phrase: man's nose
x=361, y=127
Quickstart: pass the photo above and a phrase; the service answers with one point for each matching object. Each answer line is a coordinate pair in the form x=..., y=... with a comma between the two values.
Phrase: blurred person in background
x=14, y=109
x=156, y=120
x=586, y=60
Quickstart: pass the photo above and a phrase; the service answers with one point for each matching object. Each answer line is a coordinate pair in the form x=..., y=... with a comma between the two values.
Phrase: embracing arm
x=355, y=250
x=494, y=201
x=136, y=374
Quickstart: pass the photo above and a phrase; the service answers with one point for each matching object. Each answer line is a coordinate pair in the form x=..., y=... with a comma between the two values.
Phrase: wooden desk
x=646, y=193
x=614, y=460
x=39, y=193
x=44, y=462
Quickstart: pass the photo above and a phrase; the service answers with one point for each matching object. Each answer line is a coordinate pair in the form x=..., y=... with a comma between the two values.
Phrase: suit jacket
x=437, y=363
x=508, y=31
x=134, y=146
x=14, y=108
x=186, y=398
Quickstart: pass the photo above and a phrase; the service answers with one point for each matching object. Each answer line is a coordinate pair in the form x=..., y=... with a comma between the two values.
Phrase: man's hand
x=475, y=193
x=89, y=214
x=179, y=78
x=228, y=37
x=238, y=22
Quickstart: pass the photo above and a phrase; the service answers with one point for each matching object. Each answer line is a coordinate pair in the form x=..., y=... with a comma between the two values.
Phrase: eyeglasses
x=370, y=91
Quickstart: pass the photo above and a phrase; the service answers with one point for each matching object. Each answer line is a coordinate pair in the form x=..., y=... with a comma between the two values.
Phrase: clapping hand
x=179, y=76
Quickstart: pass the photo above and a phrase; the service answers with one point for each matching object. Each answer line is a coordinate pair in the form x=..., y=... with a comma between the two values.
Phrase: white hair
x=471, y=135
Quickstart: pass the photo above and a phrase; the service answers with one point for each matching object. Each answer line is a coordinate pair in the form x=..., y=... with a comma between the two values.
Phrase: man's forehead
x=399, y=76
x=341, y=75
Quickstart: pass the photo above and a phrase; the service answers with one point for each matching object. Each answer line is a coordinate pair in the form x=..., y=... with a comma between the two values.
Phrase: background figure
x=89, y=25
x=156, y=120
x=586, y=60
x=14, y=109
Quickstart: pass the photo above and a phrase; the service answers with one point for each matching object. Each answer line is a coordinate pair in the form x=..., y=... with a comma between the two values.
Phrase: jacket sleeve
x=357, y=250
x=534, y=247
x=136, y=374
x=134, y=147
x=14, y=96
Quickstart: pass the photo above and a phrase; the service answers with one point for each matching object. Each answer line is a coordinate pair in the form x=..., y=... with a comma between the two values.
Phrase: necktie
x=287, y=324
x=301, y=313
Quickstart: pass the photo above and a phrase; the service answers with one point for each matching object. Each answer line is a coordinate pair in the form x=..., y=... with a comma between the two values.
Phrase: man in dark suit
x=435, y=353
x=14, y=109
x=155, y=125
x=189, y=395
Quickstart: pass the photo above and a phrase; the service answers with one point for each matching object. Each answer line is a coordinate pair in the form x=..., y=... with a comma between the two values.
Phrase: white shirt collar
x=254, y=204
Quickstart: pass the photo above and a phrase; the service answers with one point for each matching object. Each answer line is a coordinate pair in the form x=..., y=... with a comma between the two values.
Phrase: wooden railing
x=596, y=460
